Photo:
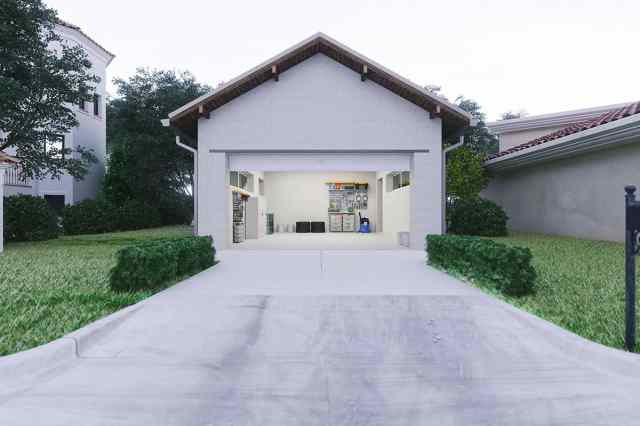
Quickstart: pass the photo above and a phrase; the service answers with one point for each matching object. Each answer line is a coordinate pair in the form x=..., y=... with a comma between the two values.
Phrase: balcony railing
x=12, y=177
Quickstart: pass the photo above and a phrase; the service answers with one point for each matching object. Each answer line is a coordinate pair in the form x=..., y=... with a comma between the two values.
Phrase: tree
x=41, y=77
x=144, y=163
x=466, y=176
x=476, y=138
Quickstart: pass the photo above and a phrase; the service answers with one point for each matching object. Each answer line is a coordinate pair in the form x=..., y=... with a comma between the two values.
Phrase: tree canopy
x=477, y=138
x=466, y=176
x=144, y=162
x=41, y=79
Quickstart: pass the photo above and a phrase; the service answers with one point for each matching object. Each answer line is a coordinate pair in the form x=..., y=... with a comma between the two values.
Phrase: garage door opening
x=319, y=210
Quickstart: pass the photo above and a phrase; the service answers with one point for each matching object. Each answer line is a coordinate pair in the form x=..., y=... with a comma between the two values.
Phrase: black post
x=630, y=269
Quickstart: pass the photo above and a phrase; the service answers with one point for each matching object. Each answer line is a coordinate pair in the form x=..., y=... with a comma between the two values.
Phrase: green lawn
x=50, y=288
x=580, y=285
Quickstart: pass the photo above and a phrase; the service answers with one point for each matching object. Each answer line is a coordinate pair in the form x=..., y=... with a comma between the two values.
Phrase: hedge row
x=151, y=264
x=508, y=268
x=29, y=218
x=99, y=216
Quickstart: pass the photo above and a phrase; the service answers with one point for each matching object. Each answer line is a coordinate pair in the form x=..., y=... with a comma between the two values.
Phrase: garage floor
x=326, y=241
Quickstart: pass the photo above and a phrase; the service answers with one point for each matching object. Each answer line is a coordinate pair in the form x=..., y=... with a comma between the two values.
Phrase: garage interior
x=319, y=210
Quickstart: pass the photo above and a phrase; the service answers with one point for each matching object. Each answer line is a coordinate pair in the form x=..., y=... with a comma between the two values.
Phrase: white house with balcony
x=90, y=133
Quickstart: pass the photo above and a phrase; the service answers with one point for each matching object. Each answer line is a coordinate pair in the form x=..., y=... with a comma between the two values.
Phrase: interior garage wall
x=581, y=196
x=296, y=196
x=396, y=207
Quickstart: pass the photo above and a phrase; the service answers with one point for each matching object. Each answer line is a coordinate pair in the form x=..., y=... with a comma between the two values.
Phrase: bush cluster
x=508, y=268
x=151, y=264
x=99, y=216
x=29, y=218
x=477, y=216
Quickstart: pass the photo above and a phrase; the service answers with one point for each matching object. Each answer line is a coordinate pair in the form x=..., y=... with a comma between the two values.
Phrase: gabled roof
x=607, y=117
x=185, y=117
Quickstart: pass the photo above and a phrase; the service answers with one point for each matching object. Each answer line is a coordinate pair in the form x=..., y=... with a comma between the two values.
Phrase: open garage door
x=319, y=161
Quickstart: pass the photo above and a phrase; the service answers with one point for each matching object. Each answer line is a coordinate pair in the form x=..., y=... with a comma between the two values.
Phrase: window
x=239, y=179
x=397, y=180
x=96, y=105
x=54, y=147
x=260, y=186
x=81, y=103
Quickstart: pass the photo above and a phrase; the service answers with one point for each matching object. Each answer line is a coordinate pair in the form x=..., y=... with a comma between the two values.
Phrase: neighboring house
x=90, y=133
x=6, y=162
x=316, y=115
x=565, y=173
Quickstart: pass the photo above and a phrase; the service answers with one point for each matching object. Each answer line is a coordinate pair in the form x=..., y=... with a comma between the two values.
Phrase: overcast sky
x=540, y=56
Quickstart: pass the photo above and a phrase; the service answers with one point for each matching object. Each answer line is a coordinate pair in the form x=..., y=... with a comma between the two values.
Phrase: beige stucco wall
x=581, y=196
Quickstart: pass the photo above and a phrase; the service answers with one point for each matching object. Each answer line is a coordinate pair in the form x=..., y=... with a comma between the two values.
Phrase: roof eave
x=617, y=132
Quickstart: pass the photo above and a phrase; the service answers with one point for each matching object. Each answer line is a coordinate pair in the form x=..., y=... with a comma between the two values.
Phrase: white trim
x=564, y=118
x=616, y=132
x=321, y=162
x=319, y=36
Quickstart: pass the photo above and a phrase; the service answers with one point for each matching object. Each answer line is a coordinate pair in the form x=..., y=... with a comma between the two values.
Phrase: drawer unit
x=348, y=223
x=335, y=223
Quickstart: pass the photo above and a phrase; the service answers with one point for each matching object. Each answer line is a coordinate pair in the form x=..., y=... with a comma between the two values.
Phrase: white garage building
x=318, y=134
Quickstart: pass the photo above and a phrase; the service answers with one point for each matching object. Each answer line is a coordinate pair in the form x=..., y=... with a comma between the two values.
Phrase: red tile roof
x=607, y=117
x=6, y=158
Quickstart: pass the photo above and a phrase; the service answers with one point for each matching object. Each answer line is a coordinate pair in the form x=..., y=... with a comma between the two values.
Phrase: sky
x=538, y=56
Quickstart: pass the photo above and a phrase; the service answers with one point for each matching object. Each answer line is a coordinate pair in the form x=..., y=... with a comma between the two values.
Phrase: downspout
x=444, y=181
x=195, y=181
x=194, y=152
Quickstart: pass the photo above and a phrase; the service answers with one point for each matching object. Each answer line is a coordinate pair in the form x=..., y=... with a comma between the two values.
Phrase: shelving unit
x=345, y=198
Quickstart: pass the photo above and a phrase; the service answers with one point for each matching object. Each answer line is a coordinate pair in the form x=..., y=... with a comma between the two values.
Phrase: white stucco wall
x=299, y=196
x=582, y=196
x=396, y=206
x=319, y=105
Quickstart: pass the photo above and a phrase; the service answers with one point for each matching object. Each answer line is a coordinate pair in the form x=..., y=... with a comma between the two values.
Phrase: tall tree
x=477, y=138
x=41, y=77
x=145, y=164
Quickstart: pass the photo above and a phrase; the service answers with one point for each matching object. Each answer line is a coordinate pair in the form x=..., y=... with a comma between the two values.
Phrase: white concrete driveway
x=330, y=338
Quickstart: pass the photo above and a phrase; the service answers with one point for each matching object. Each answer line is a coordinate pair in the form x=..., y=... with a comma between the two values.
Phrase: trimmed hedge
x=100, y=216
x=477, y=216
x=29, y=218
x=508, y=268
x=151, y=264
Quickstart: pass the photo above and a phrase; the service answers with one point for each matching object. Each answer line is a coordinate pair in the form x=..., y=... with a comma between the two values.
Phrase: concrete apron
x=288, y=338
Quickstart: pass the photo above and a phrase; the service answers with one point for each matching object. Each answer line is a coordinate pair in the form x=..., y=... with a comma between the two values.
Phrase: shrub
x=87, y=217
x=99, y=216
x=508, y=268
x=134, y=214
x=151, y=264
x=29, y=218
x=477, y=216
